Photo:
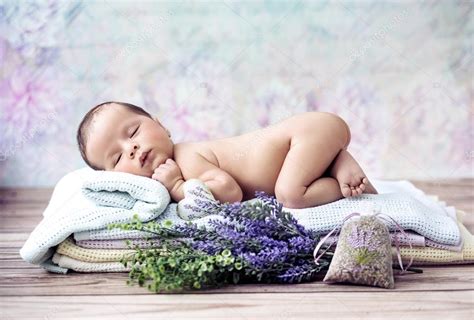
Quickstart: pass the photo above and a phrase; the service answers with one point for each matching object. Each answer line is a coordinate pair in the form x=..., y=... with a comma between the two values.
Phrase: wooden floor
x=28, y=292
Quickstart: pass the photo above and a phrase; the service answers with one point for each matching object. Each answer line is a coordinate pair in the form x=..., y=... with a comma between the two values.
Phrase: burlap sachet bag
x=363, y=254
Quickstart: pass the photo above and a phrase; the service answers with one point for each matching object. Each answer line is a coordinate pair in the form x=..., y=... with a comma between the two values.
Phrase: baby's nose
x=132, y=153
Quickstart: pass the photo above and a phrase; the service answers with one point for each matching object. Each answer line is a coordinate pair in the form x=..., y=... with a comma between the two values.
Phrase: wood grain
x=29, y=292
x=272, y=306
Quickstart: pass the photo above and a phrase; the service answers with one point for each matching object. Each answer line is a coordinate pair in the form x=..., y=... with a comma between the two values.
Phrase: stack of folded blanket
x=74, y=235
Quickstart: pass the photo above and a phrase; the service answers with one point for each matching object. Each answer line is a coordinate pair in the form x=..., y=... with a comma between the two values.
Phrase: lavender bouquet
x=255, y=243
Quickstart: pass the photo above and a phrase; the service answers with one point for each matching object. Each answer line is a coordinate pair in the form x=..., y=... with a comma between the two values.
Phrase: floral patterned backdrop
x=399, y=72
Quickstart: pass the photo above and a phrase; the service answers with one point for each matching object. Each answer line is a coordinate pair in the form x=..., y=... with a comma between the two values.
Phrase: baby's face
x=120, y=140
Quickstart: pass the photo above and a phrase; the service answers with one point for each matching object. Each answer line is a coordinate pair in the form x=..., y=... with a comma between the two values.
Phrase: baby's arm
x=177, y=193
x=222, y=185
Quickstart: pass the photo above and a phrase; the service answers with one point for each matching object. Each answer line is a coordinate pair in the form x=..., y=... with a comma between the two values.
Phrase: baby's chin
x=143, y=173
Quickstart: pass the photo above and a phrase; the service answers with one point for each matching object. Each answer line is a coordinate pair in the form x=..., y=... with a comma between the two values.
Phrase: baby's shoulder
x=189, y=150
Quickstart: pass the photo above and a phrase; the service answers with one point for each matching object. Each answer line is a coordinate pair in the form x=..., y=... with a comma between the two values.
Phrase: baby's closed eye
x=131, y=136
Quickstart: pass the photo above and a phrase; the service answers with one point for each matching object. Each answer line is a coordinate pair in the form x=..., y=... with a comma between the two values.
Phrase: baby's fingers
x=163, y=166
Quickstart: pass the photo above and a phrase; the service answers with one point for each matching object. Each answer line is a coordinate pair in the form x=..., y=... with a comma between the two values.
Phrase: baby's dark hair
x=87, y=120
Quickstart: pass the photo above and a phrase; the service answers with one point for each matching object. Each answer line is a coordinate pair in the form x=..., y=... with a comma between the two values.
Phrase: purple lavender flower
x=269, y=242
x=360, y=238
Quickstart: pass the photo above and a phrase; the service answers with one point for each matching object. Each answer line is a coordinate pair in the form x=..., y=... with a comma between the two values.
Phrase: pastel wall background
x=399, y=72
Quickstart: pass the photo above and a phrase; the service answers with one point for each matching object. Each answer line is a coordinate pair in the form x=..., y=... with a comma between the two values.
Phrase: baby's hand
x=168, y=174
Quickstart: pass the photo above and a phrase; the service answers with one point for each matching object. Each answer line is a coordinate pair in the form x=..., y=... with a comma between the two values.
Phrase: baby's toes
x=346, y=191
x=354, y=191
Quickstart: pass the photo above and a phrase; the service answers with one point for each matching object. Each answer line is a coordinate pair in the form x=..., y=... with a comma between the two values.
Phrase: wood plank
x=454, y=181
x=15, y=281
x=22, y=210
x=19, y=224
x=315, y=305
x=13, y=239
x=25, y=194
x=450, y=191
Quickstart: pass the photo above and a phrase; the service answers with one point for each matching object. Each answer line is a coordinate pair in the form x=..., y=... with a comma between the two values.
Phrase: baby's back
x=253, y=159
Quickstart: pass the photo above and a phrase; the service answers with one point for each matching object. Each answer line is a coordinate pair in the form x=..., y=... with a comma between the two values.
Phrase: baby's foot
x=349, y=174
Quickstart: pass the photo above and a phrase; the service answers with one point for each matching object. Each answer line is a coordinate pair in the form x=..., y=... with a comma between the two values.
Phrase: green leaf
x=172, y=263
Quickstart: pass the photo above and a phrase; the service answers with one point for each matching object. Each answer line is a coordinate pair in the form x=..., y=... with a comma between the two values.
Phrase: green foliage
x=364, y=257
x=177, y=268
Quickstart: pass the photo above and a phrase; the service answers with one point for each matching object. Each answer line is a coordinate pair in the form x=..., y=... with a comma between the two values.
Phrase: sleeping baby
x=303, y=161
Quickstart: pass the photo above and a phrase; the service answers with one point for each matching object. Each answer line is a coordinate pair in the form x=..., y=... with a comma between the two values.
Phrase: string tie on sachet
x=383, y=217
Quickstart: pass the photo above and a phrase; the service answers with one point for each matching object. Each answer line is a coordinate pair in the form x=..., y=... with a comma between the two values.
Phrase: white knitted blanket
x=409, y=212
x=88, y=200
x=409, y=206
x=110, y=197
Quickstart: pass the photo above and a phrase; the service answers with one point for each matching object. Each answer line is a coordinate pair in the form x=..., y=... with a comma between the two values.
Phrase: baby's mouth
x=144, y=157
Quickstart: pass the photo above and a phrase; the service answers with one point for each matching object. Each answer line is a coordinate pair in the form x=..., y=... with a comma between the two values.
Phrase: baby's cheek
x=148, y=174
x=145, y=172
x=131, y=169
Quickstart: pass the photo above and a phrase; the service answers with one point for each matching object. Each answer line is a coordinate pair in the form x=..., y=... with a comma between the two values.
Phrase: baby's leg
x=317, y=140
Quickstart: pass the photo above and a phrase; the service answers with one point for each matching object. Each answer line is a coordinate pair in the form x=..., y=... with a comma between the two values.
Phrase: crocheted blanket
x=88, y=200
x=71, y=256
x=85, y=201
x=107, y=239
x=433, y=222
x=410, y=237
